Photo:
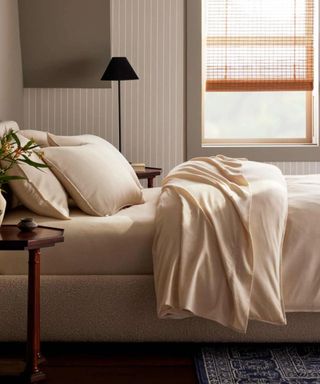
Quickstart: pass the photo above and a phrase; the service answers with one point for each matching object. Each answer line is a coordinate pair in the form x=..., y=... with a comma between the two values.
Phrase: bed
x=98, y=285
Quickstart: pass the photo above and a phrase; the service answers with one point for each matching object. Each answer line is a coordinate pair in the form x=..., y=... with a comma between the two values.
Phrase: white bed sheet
x=301, y=252
x=114, y=245
x=121, y=244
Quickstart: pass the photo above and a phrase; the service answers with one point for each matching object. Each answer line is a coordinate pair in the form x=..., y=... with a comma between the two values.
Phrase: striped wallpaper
x=151, y=34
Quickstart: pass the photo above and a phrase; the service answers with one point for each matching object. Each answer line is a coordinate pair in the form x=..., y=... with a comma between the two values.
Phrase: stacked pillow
x=40, y=137
x=93, y=172
x=40, y=190
x=6, y=126
x=96, y=175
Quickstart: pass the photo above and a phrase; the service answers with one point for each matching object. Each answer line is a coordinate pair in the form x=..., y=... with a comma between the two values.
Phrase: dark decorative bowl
x=27, y=224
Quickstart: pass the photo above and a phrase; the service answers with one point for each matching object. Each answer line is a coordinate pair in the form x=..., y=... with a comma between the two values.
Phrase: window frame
x=196, y=85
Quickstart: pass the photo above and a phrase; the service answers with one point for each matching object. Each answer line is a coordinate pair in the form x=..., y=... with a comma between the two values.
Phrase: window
x=259, y=65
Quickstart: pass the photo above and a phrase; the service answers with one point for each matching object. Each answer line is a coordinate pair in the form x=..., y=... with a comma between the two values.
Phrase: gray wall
x=65, y=43
x=11, y=88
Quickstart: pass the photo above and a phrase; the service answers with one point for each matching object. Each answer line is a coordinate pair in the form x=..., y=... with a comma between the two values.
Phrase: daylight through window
x=259, y=71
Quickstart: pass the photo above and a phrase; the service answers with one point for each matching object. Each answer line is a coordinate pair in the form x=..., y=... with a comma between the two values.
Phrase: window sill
x=265, y=153
x=262, y=145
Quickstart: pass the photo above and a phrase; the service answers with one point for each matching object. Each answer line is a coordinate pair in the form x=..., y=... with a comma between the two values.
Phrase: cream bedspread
x=217, y=249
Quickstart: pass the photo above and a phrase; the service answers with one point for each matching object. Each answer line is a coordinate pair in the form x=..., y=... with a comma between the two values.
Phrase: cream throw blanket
x=217, y=250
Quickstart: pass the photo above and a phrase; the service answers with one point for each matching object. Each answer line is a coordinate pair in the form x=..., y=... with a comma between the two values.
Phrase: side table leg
x=32, y=373
x=150, y=182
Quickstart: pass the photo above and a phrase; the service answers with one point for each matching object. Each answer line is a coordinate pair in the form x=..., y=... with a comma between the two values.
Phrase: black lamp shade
x=119, y=68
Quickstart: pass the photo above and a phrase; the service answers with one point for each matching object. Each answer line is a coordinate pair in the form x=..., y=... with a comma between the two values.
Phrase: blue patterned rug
x=259, y=363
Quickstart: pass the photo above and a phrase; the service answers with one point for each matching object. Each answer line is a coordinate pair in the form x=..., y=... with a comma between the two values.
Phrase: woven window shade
x=259, y=45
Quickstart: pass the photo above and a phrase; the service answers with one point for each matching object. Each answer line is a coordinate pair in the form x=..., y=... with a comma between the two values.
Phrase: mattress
x=301, y=250
x=122, y=244
x=113, y=245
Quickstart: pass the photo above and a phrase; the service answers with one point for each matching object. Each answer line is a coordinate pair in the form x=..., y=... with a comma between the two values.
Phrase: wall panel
x=151, y=34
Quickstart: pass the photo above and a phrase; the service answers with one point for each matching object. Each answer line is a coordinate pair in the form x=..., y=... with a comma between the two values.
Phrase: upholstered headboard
x=7, y=125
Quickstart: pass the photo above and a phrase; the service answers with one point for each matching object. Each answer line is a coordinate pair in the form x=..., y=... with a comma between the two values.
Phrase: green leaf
x=6, y=178
x=27, y=160
x=16, y=139
x=30, y=145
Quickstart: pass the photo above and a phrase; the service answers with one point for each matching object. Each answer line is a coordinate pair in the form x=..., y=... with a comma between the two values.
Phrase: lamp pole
x=119, y=109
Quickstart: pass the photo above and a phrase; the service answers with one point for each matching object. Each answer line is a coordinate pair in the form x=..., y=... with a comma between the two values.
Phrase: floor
x=110, y=363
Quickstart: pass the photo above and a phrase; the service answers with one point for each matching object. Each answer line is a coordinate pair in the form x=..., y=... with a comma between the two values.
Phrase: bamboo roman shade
x=259, y=45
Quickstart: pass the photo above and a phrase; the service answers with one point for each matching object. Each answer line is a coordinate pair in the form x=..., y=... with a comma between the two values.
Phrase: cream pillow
x=39, y=137
x=41, y=191
x=65, y=141
x=96, y=176
x=6, y=126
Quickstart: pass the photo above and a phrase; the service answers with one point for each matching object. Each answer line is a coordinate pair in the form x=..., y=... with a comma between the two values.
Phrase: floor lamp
x=119, y=69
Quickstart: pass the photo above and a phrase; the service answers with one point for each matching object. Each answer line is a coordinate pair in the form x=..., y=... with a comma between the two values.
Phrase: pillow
x=5, y=126
x=70, y=141
x=40, y=192
x=65, y=141
x=11, y=199
x=96, y=176
x=39, y=137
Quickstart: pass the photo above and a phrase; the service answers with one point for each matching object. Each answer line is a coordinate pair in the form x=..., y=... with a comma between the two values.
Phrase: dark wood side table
x=149, y=173
x=12, y=239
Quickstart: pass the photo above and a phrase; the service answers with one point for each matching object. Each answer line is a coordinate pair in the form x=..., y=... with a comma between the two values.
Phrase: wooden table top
x=11, y=238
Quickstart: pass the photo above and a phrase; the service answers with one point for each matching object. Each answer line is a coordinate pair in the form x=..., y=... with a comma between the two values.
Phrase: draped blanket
x=217, y=250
